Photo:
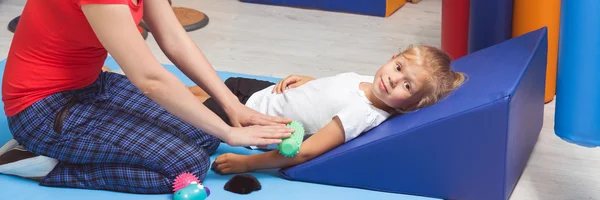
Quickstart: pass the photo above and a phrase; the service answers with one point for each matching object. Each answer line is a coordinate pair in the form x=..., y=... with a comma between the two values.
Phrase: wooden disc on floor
x=12, y=25
x=190, y=19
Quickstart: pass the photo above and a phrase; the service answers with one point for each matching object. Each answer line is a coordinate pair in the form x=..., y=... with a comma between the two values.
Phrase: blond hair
x=441, y=80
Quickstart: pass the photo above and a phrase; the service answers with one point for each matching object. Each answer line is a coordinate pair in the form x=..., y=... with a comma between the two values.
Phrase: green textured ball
x=290, y=146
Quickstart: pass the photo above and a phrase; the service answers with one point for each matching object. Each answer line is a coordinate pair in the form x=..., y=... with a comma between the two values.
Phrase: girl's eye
x=407, y=86
x=398, y=67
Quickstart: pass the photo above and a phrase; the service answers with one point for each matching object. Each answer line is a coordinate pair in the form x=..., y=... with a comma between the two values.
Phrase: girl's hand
x=241, y=115
x=230, y=163
x=257, y=135
x=291, y=81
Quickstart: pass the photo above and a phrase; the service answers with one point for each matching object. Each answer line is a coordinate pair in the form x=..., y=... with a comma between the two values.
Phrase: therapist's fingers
x=273, y=120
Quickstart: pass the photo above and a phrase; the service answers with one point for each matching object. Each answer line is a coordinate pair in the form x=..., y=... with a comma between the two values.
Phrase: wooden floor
x=279, y=41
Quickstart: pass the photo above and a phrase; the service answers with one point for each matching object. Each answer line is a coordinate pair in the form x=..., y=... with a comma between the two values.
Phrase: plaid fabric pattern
x=110, y=136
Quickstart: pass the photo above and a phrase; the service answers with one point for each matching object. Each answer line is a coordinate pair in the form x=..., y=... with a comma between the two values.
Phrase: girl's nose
x=394, y=79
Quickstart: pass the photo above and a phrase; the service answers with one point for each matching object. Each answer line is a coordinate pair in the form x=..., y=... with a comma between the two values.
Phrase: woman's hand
x=257, y=135
x=325, y=139
x=240, y=115
x=291, y=81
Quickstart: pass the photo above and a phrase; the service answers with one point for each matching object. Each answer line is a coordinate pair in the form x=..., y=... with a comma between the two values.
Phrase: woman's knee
x=211, y=144
x=196, y=161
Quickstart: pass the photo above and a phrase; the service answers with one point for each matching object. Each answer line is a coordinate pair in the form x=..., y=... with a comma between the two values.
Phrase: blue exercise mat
x=273, y=186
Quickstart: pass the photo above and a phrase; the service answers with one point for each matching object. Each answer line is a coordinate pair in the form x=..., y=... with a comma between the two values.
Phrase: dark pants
x=110, y=136
x=243, y=88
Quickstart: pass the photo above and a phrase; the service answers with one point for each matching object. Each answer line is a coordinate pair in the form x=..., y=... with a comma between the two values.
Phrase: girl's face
x=399, y=84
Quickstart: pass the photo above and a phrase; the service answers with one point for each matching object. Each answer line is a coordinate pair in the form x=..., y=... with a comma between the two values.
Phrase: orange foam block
x=529, y=15
x=392, y=5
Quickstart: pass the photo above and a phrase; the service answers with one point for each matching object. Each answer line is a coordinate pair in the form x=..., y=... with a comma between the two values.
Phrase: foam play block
x=455, y=27
x=381, y=8
x=472, y=145
x=577, y=117
x=490, y=23
x=529, y=15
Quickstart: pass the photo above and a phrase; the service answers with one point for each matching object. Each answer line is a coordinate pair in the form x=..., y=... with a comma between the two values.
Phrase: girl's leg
x=112, y=137
x=243, y=88
x=199, y=93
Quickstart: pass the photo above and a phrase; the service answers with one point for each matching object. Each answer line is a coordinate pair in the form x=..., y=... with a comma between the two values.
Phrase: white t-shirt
x=315, y=103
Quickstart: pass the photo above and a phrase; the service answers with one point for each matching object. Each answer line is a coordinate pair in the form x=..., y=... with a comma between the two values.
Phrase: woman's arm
x=185, y=54
x=327, y=138
x=116, y=30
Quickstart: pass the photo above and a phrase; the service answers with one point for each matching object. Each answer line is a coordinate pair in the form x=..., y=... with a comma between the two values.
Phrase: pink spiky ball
x=183, y=180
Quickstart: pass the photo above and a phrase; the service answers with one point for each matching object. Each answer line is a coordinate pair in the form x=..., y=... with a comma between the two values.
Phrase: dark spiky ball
x=242, y=184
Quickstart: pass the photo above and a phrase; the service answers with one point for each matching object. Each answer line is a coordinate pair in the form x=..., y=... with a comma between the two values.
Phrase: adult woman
x=131, y=134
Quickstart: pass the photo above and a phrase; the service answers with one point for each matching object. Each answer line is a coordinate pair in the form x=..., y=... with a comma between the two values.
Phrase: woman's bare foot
x=106, y=69
x=230, y=163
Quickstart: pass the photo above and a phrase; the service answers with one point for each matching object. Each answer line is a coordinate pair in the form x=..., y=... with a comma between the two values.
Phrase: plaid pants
x=110, y=136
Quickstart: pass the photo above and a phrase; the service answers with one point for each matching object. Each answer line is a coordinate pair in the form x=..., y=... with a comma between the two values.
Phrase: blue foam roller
x=490, y=23
x=472, y=145
x=577, y=116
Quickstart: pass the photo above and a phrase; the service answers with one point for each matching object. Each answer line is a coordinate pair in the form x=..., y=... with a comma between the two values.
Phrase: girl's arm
x=185, y=54
x=327, y=138
x=292, y=81
x=116, y=30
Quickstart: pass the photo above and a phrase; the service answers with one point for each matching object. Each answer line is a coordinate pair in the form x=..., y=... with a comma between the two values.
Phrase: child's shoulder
x=353, y=76
x=359, y=116
x=359, y=106
x=349, y=74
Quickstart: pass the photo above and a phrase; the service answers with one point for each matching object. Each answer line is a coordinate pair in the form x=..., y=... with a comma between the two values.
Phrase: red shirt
x=54, y=49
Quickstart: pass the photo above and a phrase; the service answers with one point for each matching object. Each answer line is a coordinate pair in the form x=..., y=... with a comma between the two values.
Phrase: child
x=333, y=110
x=337, y=109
